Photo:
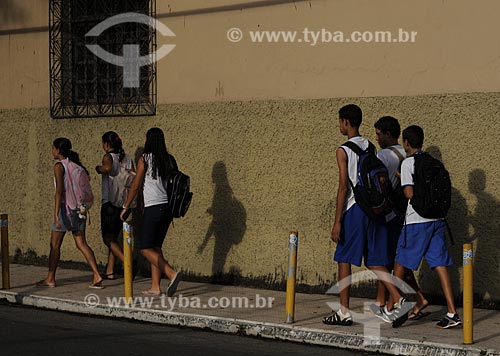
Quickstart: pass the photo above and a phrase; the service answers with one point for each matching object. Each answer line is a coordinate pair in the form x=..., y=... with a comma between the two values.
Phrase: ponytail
x=64, y=146
x=115, y=142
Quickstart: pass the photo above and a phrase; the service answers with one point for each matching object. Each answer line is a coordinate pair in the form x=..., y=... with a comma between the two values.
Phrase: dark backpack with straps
x=373, y=189
x=432, y=187
x=178, y=190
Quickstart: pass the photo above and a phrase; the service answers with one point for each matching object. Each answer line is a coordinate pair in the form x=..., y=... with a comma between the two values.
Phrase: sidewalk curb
x=393, y=346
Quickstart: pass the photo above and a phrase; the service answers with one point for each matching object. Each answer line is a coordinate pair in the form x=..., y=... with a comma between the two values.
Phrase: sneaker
x=336, y=319
x=448, y=322
x=401, y=311
x=381, y=313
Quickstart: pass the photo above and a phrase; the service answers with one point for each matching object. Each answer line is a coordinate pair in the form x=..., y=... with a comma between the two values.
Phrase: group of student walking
x=152, y=170
x=395, y=243
x=384, y=245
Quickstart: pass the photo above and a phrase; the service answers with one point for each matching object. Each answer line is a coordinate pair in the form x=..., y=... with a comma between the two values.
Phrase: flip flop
x=42, y=284
x=97, y=285
x=108, y=276
x=418, y=315
x=148, y=293
x=172, y=287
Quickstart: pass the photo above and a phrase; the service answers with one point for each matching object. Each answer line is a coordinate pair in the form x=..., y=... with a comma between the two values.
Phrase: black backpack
x=179, y=195
x=432, y=187
x=373, y=189
x=178, y=190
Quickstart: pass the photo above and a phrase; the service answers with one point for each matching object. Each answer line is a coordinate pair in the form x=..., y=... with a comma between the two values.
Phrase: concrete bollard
x=127, y=262
x=468, y=293
x=4, y=224
x=291, y=276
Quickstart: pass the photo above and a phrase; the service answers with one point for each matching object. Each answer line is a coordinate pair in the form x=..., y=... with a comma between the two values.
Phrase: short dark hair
x=351, y=113
x=415, y=136
x=388, y=124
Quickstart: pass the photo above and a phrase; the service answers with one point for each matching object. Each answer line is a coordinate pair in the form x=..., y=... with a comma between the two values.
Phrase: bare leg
x=155, y=257
x=344, y=272
x=56, y=240
x=444, y=278
x=110, y=265
x=389, y=285
x=381, y=291
x=87, y=252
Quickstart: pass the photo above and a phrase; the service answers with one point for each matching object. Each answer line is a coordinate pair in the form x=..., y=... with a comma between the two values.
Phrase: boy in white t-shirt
x=387, y=131
x=423, y=237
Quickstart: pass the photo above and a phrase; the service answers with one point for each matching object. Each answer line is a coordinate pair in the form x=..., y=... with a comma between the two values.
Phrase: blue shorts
x=69, y=222
x=423, y=240
x=394, y=228
x=361, y=237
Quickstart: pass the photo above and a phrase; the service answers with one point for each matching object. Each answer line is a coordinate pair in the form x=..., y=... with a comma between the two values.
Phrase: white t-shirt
x=154, y=190
x=407, y=171
x=352, y=168
x=391, y=162
x=115, y=169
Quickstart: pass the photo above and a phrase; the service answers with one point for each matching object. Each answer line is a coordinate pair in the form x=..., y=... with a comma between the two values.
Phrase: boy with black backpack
x=356, y=231
x=427, y=185
x=392, y=154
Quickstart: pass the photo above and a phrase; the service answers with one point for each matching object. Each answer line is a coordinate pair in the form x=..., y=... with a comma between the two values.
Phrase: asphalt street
x=28, y=331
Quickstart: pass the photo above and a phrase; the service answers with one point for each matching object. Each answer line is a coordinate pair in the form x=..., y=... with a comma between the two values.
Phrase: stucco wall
x=277, y=158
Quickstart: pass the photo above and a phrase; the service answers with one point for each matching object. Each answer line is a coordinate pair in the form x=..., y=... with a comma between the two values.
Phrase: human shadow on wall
x=484, y=221
x=458, y=221
x=228, y=225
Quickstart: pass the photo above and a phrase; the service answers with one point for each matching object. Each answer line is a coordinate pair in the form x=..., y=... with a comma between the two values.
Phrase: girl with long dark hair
x=111, y=225
x=152, y=171
x=67, y=220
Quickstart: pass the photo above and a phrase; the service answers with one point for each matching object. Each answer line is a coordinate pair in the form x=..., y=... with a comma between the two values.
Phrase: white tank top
x=154, y=190
x=352, y=168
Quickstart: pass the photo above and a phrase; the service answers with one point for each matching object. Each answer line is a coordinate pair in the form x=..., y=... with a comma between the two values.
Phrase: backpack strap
x=396, y=152
x=358, y=150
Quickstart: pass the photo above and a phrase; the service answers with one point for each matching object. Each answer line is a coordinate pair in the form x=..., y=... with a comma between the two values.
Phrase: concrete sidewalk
x=192, y=307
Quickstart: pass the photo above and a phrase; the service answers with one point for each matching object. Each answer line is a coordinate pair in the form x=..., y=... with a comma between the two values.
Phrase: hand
x=398, y=174
x=336, y=232
x=58, y=223
x=97, y=169
x=124, y=214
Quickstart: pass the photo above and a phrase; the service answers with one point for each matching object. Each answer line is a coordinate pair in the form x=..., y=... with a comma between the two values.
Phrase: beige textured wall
x=279, y=159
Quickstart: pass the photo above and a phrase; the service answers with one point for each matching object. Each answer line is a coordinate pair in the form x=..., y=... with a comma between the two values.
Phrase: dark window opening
x=81, y=83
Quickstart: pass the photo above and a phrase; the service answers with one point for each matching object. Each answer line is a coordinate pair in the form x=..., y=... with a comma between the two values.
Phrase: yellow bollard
x=127, y=262
x=468, y=257
x=292, y=272
x=4, y=224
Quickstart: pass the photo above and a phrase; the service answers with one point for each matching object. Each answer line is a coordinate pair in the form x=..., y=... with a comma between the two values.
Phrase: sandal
x=109, y=276
x=97, y=285
x=43, y=284
x=418, y=315
x=335, y=319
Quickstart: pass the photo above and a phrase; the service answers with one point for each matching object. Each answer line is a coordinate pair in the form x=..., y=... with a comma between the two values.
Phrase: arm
x=106, y=166
x=136, y=185
x=59, y=175
x=408, y=191
x=341, y=193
